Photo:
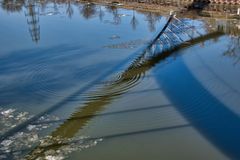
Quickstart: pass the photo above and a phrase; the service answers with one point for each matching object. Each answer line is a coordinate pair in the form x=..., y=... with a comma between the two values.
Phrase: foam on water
x=32, y=143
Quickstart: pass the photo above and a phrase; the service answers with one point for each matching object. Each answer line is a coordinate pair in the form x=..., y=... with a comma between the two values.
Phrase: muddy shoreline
x=221, y=11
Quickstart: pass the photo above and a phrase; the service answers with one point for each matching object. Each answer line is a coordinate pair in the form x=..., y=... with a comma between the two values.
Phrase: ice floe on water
x=10, y=118
x=57, y=148
x=32, y=142
x=14, y=147
x=30, y=146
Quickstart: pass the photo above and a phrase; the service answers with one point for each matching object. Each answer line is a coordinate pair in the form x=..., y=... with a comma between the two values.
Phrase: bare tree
x=88, y=10
x=12, y=6
x=69, y=10
x=134, y=21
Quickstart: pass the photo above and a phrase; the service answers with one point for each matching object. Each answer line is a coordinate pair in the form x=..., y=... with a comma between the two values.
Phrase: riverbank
x=227, y=21
x=186, y=8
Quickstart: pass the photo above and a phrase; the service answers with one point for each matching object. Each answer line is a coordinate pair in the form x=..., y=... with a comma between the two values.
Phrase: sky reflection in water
x=81, y=66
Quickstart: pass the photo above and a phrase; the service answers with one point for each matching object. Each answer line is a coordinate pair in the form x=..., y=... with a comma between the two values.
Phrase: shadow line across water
x=72, y=125
x=111, y=136
x=128, y=79
x=107, y=114
x=215, y=121
x=84, y=89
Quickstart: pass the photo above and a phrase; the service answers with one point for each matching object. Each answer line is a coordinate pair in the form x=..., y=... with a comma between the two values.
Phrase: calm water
x=84, y=81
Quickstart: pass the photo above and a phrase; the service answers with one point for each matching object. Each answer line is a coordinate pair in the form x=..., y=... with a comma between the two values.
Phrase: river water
x=87, y=81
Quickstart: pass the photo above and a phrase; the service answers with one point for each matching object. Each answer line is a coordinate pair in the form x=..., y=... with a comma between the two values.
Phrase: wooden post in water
x=238, y=11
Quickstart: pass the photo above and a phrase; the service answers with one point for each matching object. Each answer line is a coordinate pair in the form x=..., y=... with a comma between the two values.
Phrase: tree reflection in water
x=13, y=6
x=233, y=50
x=152, y=18
x=128, y=79
x=69, y=10
x=101, y=13
x=88, y=10
x=134, y=21
x=98, y=100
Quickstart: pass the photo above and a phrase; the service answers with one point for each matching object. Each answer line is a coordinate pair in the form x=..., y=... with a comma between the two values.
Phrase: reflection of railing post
x=32, y=15
x=238, y=11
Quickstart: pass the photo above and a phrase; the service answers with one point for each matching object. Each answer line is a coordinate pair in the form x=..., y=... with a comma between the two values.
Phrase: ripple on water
x=124, y=81
x=40, y=79
x=121, y=84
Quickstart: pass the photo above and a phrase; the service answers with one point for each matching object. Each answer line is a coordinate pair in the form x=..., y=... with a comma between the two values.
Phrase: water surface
x=77, y=82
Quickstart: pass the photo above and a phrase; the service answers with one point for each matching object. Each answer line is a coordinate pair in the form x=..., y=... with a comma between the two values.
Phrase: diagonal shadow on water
x=106, y=114
x=214, y=120
x=97, y=102
x=60, y=104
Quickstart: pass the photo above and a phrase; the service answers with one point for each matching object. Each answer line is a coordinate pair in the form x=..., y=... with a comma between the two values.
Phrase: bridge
x=174, y=35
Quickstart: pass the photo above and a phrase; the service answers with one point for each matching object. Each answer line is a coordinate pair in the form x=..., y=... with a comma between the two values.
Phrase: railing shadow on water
x=128, y=79
x=66, y=100
x=132, y=75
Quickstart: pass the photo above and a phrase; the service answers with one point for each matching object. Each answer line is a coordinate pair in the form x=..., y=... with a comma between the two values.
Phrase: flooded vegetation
x=83, y=80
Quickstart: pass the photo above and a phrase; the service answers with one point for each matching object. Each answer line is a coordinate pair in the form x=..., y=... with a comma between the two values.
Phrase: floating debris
x=123, y=15
x=10, y=118
x=54, y=157
x=31, y=138
x=31, y=127
x=57, y=148
x=6, y=143
x=49, y=13
x=11, y=147
x=7, y=112
x=127, y=45
x=114, y=37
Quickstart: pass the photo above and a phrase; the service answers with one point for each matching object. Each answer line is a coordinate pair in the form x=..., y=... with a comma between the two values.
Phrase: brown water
x=84, y=81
